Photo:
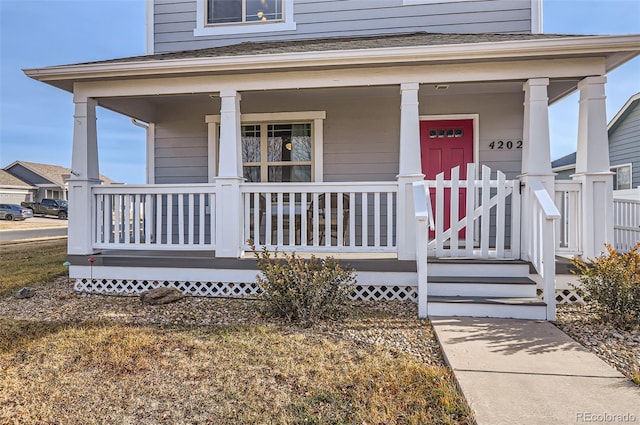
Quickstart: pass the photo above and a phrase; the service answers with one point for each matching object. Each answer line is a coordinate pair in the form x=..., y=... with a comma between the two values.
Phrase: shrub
x=302, y=291
x=612, y=282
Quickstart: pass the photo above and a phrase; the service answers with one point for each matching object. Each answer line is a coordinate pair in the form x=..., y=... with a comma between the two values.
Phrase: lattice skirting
x=132, y=287
x=568, y=296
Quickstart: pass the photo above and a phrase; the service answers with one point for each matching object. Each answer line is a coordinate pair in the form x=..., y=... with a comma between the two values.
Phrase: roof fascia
x=470, y=51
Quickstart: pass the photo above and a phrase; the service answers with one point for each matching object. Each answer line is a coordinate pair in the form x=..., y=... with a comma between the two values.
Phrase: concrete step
x=481, y=286
x=500, y=307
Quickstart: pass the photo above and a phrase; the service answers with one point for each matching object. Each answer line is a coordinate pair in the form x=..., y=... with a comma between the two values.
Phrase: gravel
x=617, y=345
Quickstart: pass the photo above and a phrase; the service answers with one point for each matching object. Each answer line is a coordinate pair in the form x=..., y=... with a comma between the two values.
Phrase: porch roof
x=383, y=50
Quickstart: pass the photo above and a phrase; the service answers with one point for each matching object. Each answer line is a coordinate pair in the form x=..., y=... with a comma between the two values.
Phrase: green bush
x=302, y=291
x=612, y=283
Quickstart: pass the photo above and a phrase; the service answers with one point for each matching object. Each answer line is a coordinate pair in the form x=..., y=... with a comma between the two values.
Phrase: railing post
x=549, y=266
x=421, y=264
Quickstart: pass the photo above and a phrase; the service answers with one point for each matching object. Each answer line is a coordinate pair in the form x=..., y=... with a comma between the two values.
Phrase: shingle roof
x=56, y=174
x=336, y=43
x=565, y=160
x=7, y=179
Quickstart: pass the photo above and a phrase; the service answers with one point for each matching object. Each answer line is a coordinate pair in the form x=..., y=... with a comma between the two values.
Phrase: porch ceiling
x=145, y=108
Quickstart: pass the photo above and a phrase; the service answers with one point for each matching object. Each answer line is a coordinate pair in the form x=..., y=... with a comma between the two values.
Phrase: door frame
x=476, y=136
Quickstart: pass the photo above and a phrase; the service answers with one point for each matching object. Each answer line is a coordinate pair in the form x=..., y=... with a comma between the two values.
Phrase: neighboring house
x=49, y=181
x=13, y=190
x=310, y=126
x=624, y=148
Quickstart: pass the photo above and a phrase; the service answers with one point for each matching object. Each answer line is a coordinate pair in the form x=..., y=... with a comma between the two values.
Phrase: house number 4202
x=509, y=144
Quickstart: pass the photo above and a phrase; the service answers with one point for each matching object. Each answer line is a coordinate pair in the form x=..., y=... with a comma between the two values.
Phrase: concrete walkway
x=529, y=372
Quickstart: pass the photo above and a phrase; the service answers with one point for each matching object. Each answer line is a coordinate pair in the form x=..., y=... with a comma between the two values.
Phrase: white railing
x=424, y=222
x=343, y=217
x=156, y=217
x=541, y=242
x=484, y=215
x=626, y=224
x=568, y=200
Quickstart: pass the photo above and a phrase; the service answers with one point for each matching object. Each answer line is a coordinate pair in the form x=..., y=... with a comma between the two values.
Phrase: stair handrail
x=424, y=220
x=542, y=251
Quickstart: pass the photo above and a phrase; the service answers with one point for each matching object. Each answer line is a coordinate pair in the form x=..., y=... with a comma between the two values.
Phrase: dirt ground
x=33, y=223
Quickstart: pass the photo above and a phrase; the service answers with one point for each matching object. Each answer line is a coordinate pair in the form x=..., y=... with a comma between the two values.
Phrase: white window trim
x=241, y=28
x=614, y=167
x=317, y=135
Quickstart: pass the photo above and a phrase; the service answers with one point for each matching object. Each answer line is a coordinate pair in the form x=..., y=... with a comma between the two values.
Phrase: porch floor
x=374, y=262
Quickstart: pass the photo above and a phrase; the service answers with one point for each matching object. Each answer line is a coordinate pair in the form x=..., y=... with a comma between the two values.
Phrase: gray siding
x=361, y=130
x=175, y=20
x=565, y=174
x=181, y=142
x=624, y=143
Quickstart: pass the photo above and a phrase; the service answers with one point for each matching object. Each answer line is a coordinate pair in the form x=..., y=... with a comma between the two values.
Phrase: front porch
x=329, y=157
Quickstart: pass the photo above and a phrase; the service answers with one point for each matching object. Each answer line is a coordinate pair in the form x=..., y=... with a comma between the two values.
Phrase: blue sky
x=36, y=120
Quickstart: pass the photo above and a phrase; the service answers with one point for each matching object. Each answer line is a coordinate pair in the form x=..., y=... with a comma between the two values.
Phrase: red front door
x=445, y=144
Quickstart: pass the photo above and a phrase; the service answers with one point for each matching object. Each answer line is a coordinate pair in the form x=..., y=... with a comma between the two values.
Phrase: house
x=624, y=148
x=13, y=190
x=311, y=126
x=44, y=180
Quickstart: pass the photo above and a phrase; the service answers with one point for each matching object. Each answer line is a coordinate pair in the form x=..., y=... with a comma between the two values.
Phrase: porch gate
x=490, y=227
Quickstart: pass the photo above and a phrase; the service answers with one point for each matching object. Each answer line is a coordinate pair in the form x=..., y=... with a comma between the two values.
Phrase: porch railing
x=343, y=217
x=483, y=218
x=626, y=223
x=540, y=248
x=158, y=217
x=568, y=200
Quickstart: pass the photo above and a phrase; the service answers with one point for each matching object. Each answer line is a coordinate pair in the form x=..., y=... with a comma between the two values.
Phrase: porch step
x=476, y=267
x=481, y=286
x=501, y=307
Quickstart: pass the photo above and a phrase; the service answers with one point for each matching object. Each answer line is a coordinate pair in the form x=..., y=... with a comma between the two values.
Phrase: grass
x=30, y=264
x=105, y=372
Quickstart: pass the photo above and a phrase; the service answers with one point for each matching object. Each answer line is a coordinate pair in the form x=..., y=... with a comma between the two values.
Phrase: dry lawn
x=101, y=372
x=30, y=264
x=67, y=359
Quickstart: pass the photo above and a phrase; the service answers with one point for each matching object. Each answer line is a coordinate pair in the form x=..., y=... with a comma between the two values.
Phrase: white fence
x=344, y=217
x=158, y=217
x=626, y=223
x=484, y=215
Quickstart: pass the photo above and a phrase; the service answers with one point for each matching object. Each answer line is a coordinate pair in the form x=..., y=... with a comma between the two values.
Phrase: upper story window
x=240, y=11
x=243, y=17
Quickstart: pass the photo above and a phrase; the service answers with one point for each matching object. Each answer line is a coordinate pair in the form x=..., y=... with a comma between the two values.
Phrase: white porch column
x=84, y=174
x=410, y=170
x=592, y=167
x=536, y=150
x=228, y=200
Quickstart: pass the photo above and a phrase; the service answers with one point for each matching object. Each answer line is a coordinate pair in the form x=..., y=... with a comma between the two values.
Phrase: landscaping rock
x=25, y=292
x=162, y=295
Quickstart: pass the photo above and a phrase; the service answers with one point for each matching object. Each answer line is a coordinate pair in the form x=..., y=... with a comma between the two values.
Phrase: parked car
x=12, y=212
x=56, y=207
